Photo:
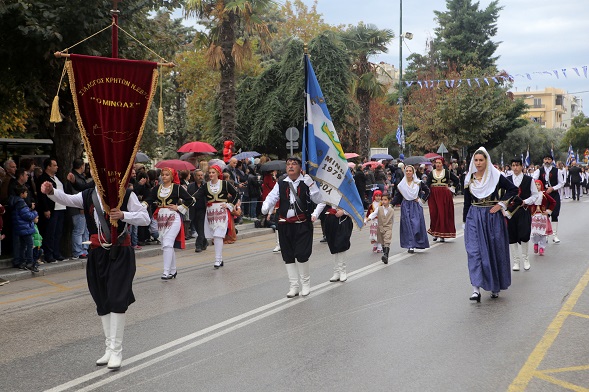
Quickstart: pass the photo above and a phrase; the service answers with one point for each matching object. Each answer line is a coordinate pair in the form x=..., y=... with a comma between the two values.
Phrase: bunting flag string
x=452, y=83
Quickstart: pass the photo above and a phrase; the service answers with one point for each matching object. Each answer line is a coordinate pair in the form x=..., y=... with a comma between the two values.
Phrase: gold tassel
x=160, y=121
x=55, y=113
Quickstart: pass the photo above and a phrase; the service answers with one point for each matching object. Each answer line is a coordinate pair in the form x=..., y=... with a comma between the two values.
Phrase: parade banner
x=112, y=99
x=323, y=154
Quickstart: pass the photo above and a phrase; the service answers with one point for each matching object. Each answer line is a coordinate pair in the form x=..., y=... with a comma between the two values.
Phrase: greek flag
x=527, y=162
x=323, y=155
x=570, y=155
x=399, y=136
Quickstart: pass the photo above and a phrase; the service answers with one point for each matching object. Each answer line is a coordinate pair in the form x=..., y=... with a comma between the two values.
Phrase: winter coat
x=22, y=217
x=37, y=239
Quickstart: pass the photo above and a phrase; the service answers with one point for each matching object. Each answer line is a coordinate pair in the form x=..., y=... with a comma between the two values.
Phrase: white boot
x=117, y=328
x=525, y=257
x=554, y=230
x=106, y=328
x=277, y=248
x=336, y=270
x=293, y=278
x=305, y=278
x=515, y=254
x=343, y=275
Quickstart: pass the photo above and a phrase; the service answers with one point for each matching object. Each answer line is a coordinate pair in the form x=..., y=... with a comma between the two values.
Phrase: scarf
x=409, y=192
x=485, y=187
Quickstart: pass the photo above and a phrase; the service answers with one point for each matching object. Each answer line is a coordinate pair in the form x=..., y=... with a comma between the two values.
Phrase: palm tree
x=364, y=41
x=234, y=25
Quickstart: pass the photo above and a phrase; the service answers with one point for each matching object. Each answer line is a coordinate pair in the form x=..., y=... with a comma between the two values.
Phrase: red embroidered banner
x=112, y=99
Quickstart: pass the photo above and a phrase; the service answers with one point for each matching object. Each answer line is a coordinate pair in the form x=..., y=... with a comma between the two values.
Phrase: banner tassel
x=160, y=121
x=56, y=116
x=160, y=113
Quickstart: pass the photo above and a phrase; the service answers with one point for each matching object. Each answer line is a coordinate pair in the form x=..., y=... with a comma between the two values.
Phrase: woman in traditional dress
x=485, y=231
x=412, y=192
x=221, y=198
x=441, y=206
x=541, y=210
x=376, y=246
x=172, y=202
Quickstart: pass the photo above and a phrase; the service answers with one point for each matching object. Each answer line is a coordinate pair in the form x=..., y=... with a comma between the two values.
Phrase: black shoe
x=411, y=250
x=50, y=261
x=32, y=268
x=323, y=240
x=22, y=267
x=435, y=239
x=198, y=250
x=442, y=240
x=173, y=276
x=494, y=295
x=60, y=258
x=475, y=297
x=218, y=264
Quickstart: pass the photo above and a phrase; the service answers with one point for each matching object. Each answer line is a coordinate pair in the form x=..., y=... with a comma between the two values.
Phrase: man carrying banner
x=295, y=225
x=111, y=262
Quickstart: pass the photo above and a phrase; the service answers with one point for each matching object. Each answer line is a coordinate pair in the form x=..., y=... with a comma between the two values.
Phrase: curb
x=12, y=274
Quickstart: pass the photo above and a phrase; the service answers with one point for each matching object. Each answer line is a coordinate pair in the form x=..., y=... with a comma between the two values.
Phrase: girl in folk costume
x=411, y=193
x=385, y=215
x=485, y=231
x=376, y=245
x=541, y=227
x=221, y=199
x=172, y=202
x=441, y=205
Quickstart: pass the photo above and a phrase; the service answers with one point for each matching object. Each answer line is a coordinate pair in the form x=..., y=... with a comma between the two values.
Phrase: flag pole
x=305, y=124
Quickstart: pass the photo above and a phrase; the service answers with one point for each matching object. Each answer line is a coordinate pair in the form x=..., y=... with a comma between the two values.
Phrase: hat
x=402, y=156
x=294, y=158
x=548, y=155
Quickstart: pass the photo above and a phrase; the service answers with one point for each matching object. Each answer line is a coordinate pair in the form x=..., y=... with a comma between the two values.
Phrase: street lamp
x=401, y=37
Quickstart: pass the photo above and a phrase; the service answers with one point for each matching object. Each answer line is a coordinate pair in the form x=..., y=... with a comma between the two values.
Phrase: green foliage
x=273, y=101
x=577, y=135
x=539, y=140
x=464, y=34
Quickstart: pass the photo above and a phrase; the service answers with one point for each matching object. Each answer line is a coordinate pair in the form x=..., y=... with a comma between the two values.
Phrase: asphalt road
x=405, y=326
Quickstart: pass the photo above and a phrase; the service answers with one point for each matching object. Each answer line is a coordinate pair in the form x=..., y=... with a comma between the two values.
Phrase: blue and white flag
x=570, y=155
x=323, y=155
x=527, y=161
x=399, y=139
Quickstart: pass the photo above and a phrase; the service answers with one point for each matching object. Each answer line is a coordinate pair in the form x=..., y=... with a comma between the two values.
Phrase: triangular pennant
x=487, y=81
x=577, y=71
x=477, y=80
x=529, y=76
x=556, y=73
x=447, y=83
x=585, y=71
x=452, y=83
x=468, y=81
x=564, y=72
x=420, y=84
x=495, y=79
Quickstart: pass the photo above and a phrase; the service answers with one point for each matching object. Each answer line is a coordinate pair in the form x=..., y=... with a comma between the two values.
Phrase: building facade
x=551, y=107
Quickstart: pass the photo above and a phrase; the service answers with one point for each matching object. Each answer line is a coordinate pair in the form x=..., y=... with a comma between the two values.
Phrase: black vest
x=525, y=187
x=553, y=177
x=89, y=210
x=302, y=193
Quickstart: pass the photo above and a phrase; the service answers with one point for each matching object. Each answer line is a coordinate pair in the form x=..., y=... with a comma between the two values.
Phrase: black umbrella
x=415, y=160
x=142, y=157
x=273, y=165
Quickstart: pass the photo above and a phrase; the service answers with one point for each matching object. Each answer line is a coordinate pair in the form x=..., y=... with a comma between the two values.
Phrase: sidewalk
x=7, y=273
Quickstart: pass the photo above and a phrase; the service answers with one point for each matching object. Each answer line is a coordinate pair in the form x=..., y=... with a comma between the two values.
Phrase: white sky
x=535, y=35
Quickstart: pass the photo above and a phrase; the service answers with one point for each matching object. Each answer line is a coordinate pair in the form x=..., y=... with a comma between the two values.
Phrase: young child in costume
x=376, y=246
x=384, y=215
x=541, y=227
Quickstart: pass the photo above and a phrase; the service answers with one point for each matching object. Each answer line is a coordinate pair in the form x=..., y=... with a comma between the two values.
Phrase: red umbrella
x=175, y=164
x=432, y=155
x=372, y=164
x=350, y=155
x=197, y=147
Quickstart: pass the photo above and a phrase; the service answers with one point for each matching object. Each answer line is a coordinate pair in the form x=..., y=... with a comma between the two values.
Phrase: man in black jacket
x=198, y=211
x=77, y=183
x=575, y=179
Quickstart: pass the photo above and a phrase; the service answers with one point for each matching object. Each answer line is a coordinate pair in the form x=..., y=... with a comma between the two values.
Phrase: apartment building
x=551, y=107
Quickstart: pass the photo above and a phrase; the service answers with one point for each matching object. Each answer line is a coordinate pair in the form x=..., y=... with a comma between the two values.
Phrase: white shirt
x=547, y=177
x=136, y=215
x=274, y=196
x=58, y=185
x=517, y=181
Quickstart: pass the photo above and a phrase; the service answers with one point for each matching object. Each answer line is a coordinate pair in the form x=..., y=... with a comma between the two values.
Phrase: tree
x=33, y=30
x=539, y=141
x=270, y=103
x=577, y=135
x=234, y=27
x=364, y=41
x=464, y=34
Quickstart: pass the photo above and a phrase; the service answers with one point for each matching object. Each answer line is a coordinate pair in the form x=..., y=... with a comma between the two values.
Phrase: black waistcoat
x=302, y=193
